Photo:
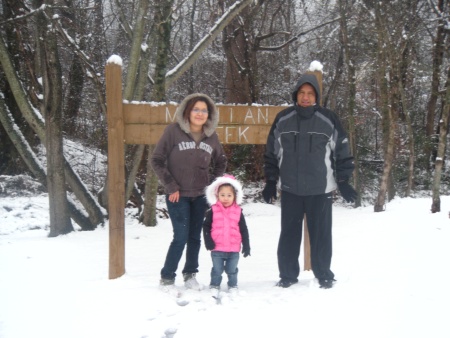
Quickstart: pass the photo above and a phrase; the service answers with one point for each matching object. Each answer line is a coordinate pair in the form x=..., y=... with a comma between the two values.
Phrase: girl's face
x=226, y=196
x=198, y=116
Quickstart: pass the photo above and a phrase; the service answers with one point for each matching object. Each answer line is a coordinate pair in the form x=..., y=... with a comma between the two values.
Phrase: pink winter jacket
x=225, y=227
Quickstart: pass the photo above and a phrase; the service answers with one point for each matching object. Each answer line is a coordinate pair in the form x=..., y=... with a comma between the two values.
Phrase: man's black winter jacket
x=308, y=150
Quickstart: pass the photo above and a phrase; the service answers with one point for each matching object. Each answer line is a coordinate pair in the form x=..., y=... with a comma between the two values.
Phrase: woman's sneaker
x=167, y=285
x=190, y=282
x=166, y=282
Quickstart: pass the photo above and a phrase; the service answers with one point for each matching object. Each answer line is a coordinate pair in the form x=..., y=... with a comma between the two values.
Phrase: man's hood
x=310, y=79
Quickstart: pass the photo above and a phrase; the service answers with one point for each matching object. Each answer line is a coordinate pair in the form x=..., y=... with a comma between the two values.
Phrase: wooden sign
x=144, y=123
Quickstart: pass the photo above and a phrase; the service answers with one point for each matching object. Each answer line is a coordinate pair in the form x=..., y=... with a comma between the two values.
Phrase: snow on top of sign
x=156, y=104
x=151, y=103
x=244, y=104
x=315, y=66
x=115, y=59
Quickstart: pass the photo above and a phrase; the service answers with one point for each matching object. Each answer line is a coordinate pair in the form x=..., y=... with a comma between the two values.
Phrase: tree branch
x=193, y=56
x=275, y=48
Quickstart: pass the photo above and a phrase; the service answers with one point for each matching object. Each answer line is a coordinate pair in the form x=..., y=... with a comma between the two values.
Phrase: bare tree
x=52, y=107
x=443, y=132
x=349, y=57
x=438, y=51
x=163, y=22
x=387, y=108
x=24, y=101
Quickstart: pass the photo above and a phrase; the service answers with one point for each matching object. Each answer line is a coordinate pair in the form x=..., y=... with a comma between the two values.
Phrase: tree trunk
x=329, y=96
x=386, y=108
x=60, y=222
x=136, y=158
x=409, y=127
x=351, y=98
x=163, y=14
x=443, y=123
x=405, y=82
x=438, y=52
x=75, y=81
x=191, y=81
x=240, y=63
x=136, y=47
x=73, y=101
x=412, y=156
x=148, y=216
x=99, y=48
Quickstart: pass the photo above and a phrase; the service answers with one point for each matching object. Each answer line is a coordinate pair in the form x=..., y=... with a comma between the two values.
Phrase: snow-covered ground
x=392, y=271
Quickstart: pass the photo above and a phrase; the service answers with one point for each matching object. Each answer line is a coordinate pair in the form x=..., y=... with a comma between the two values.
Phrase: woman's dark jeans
x=187, y=219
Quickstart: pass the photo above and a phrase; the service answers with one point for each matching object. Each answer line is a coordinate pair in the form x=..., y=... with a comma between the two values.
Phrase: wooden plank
x=248, y=115
x=146, y=113
x=228, y=134
x=144, y=122
x=243, y=134
x=116, y=171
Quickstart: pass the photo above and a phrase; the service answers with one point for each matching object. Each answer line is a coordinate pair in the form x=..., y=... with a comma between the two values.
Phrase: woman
x=186, y=159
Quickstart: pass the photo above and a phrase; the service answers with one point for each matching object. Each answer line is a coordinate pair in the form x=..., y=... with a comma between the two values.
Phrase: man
x=308, y=151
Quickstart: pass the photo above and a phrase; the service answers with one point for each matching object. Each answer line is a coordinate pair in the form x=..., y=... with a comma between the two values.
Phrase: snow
x=116, y=59
x=391, y=270
x=316, y=66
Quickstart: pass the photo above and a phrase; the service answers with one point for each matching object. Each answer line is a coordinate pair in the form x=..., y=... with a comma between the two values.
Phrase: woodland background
x=386, y=74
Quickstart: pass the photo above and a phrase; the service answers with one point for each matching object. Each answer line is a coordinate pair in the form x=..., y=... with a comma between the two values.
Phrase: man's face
x=306, y=95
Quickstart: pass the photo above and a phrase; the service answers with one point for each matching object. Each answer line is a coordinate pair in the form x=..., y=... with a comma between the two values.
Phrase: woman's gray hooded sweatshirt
x=181, y=163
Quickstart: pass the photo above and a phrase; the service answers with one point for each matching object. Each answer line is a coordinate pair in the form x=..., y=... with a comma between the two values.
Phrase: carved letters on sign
x=144, y=123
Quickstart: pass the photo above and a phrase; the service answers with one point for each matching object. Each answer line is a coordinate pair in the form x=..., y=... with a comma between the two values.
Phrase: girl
x=224, y=230
x=186, y=159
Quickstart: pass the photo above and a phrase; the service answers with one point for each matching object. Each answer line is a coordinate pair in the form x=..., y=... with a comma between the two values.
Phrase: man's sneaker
x=326, y=283
x=285, y=283
x=190, y=282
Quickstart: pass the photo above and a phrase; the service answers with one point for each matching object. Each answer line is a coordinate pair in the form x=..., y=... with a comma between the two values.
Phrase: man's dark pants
x=318, y=212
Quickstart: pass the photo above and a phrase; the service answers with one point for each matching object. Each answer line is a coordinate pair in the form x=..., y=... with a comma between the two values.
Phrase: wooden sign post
x=144, y=123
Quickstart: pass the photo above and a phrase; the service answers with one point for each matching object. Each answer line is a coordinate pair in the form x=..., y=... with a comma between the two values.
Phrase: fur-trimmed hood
x=211, y=190
x=213, y=118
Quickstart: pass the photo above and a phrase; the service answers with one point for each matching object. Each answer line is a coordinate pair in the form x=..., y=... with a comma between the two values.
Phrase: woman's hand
x=174, y=198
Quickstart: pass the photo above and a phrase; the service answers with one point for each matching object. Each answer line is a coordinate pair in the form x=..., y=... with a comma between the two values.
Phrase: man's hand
x=270, y=191
x=348, y=193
